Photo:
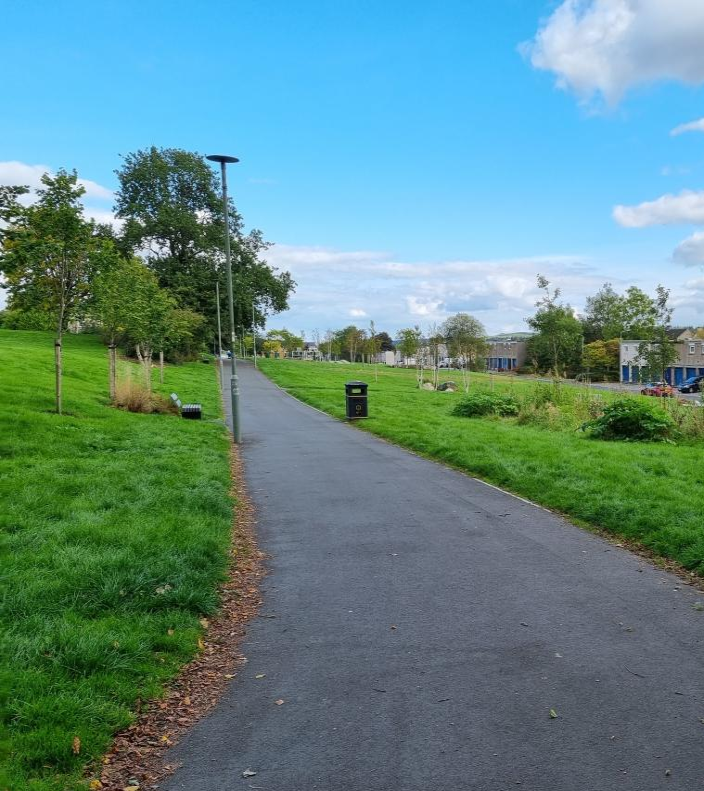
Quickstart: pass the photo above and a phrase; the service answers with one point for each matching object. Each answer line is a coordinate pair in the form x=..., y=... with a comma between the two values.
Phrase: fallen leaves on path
x=136, y=761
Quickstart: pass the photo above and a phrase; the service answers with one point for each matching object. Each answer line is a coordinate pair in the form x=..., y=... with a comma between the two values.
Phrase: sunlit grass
x=114, y=530
x=650, y=493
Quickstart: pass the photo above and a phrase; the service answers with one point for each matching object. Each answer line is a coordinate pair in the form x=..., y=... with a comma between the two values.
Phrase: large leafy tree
x=49, y=253
x=608, y=315
x=170, y=202
x=604, y=317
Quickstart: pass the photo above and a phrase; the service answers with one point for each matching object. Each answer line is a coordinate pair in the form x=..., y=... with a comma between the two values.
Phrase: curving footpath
x=422, y=629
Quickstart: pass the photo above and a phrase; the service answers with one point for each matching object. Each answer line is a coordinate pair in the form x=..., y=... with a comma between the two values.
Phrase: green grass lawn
x=114, y=531
x=651, y=493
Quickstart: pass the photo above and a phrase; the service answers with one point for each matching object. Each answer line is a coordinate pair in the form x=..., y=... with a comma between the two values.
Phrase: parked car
x=691, y=385
x=658, y=389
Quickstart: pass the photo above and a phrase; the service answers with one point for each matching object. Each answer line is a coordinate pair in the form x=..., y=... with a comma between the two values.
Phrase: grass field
x=114, y=531
x=651, y=493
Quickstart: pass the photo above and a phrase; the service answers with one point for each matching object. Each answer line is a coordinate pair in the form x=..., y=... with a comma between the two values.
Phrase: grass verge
x=114, y=531
x=650, y=493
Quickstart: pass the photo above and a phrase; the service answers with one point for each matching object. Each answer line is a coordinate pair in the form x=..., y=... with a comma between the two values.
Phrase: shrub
x=478, y=404
x=631, y=419
x=34, y=319
x=134, y=397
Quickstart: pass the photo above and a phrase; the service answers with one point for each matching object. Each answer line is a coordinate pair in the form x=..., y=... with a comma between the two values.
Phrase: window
x=691, y=348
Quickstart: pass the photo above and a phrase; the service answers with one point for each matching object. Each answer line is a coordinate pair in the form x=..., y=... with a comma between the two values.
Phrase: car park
x=658, y=389
x=691, y=385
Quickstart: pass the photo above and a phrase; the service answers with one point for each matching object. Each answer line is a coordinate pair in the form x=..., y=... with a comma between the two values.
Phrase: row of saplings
x=629, y=418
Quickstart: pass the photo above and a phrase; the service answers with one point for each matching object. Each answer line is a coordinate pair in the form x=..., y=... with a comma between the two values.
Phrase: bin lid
x=356, y=384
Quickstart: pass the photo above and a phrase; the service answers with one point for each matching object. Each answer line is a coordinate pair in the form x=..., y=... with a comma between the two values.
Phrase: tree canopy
x=170, y=202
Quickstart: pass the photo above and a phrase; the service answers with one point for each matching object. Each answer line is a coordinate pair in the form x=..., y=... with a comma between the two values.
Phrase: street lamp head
x=221, y=158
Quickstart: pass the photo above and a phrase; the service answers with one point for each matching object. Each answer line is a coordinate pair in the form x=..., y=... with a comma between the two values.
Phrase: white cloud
x=357, y=313
x=604, y=47
x=687, y=207
x=424, y=307
x=691, y=251
x=334, y=285
x=692, y=126
x=13, y=173
x=19, y=173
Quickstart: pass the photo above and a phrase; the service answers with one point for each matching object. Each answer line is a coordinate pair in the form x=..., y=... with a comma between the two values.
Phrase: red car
x=658, y=389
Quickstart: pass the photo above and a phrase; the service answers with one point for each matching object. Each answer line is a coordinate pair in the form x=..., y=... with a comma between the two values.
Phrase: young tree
x=435, y=340
x=332, y=344
x=351, y=340
x=557, y=343
x=150, y=325
x=658, y=352
x=409, y=342
x=466, y=341
x=113, y=304
x=373, y=346
x=49, y=254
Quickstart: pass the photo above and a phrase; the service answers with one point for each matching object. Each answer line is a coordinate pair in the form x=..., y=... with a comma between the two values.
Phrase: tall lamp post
x=223, y=159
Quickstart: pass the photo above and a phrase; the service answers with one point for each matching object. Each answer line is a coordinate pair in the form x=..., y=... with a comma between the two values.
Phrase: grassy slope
x=114, y=530
x=651, y=493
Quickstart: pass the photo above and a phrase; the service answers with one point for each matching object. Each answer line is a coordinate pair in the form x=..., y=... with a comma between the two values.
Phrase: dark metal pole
x=234, y=387
x=254, y=337
x=234, y=384
x=217, y=297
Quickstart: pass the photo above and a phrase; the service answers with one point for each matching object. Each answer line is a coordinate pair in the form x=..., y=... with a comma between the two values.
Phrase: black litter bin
x=356, y=399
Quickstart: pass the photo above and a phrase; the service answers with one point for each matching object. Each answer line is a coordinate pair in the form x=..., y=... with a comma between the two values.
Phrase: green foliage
x=32, y=319
x=114, y=533
x=600, y=359
x=557, y=343
x=657, y=354
x=50, y=252
x=632, y=419
x=284, y=339
x=409, y=341
x=465, y=337
x=477, y=404
x=170, y=201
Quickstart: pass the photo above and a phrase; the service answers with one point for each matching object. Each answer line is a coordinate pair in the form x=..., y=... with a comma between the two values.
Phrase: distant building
x=689, y=344
x=505, y=353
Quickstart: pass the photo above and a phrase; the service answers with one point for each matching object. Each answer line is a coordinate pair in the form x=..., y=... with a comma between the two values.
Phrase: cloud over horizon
x=336, y=287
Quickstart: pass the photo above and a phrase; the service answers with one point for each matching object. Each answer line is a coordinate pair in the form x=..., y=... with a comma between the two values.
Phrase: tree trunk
x=59, y=372
x=161, y=366
x=113, y=371
x=148, y=370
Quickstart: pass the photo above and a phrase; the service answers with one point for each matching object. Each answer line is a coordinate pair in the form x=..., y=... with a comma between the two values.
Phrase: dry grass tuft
x=134, y=397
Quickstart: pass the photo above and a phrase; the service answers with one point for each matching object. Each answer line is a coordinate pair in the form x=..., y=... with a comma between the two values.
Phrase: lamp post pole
x=234, y=385
x=217, y=298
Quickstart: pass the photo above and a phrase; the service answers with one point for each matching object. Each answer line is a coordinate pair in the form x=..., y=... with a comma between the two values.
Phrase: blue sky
x=409, y=159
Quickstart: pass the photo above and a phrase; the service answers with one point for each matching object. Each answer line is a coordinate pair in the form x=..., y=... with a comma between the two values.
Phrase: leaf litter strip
x=136, y=760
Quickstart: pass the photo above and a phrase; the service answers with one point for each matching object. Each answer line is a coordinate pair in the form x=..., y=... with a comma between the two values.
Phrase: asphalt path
x=427, y=631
